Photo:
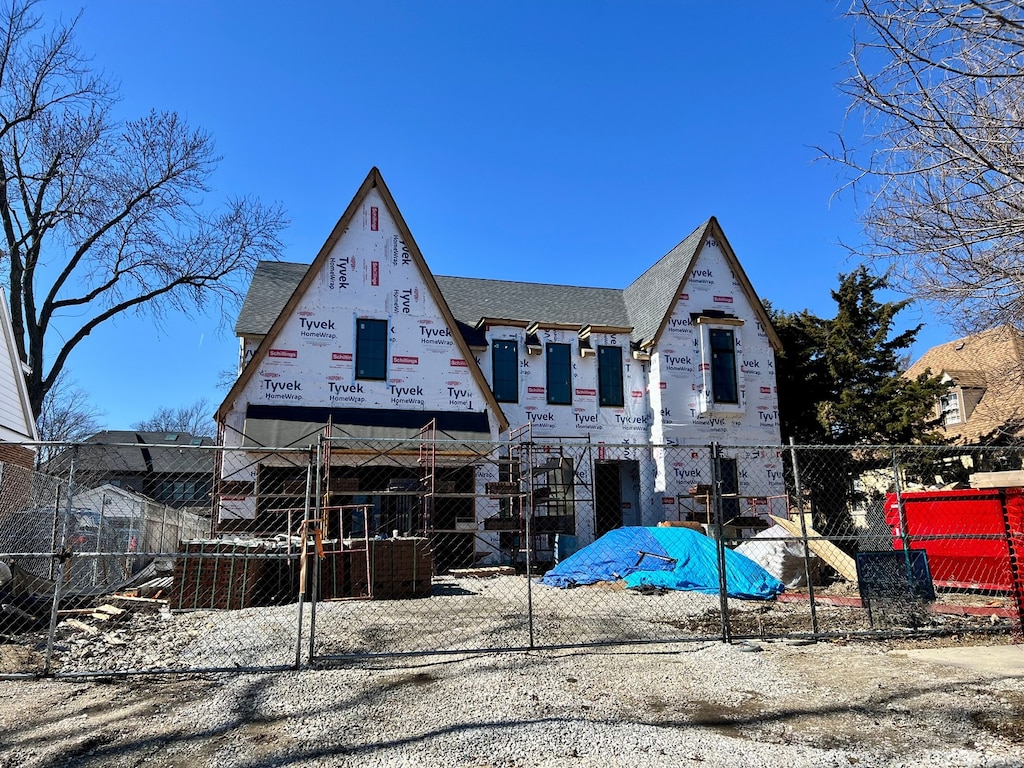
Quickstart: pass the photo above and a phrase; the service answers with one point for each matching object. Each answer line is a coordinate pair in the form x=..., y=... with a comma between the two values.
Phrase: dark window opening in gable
x=559, y=366
x=724, y=387
x=371, y=349
x=505, y=370
x=609, y=376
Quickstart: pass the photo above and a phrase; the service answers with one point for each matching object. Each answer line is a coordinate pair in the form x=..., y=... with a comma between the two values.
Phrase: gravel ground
x=699, y=704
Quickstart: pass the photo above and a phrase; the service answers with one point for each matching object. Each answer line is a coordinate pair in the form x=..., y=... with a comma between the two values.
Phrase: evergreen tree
x=840, y=380
x=840, y=384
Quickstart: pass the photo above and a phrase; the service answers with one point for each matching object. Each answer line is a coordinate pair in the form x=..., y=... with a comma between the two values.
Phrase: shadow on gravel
x=255, y=724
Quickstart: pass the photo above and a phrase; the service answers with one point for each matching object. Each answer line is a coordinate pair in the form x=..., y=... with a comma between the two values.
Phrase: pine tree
x=840, y=380
x=840, y=384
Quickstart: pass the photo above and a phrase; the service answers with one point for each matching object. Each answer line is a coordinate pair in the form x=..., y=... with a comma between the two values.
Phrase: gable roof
x=992, y=360
x=651, y=297
x=280, y=278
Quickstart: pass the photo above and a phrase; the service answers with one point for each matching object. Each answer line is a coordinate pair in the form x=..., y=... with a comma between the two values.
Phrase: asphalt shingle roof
x=992, y=359
x=650, y=296
x=641, y=306
x=471, y=298
x=272, y=285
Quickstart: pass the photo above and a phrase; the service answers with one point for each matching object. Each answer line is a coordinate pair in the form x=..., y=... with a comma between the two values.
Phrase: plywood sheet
x=823, y=548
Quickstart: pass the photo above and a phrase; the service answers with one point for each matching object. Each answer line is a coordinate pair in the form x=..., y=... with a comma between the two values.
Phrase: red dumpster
x=964, y=533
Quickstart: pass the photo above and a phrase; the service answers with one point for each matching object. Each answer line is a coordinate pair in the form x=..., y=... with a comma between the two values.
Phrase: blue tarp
x=674, y=558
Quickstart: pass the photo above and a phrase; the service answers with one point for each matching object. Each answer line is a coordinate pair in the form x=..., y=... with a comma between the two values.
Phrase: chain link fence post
x=902, y=510
x=528, y=532
x=322, y=451
x=719, y=528
x=59, y=558
x=303, y=556
x=808, y=571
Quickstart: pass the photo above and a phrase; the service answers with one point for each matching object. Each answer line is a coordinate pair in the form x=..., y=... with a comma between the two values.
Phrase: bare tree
x=67, y=415
x=99, y=216
x=935, y=137
x=195, y=419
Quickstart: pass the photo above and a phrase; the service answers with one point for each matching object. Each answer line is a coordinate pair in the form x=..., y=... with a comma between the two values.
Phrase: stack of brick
x=219, y=574
x=399, y=568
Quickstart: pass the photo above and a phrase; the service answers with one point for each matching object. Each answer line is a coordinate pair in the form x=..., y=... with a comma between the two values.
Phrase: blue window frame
x=609, y=376
x=724, y=387
x=559, y=363
x=505, y=370
x=371, y=349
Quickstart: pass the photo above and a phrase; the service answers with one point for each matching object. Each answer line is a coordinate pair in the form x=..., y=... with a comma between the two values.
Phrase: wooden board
x=845, y=565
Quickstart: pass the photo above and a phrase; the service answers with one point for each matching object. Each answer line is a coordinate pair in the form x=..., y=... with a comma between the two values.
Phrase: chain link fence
x=164, y=557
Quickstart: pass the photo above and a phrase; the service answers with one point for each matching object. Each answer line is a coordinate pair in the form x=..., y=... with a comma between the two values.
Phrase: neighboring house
x=17, y=427
x=17, y=422
x=367, y=340
x=985, y=400
x=167, y=467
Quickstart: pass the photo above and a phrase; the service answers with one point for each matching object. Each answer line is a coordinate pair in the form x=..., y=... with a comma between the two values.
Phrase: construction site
x=428, y=546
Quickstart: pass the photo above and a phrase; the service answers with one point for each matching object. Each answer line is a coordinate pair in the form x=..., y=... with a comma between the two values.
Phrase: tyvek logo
x=400, y=255
x=684, y=472
x=403, y=299
x=316, y=329
x=702, y=277
x=674, y=362
x=338, y=272
x=404, y=391
x=432, y=332
x=460, y=398
x=282, y=390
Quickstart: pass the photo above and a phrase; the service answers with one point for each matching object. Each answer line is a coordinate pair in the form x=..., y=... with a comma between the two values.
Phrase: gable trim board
x=373, y=181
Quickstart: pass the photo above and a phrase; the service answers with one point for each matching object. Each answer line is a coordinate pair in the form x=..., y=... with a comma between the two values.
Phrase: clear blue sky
x=563, y=142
